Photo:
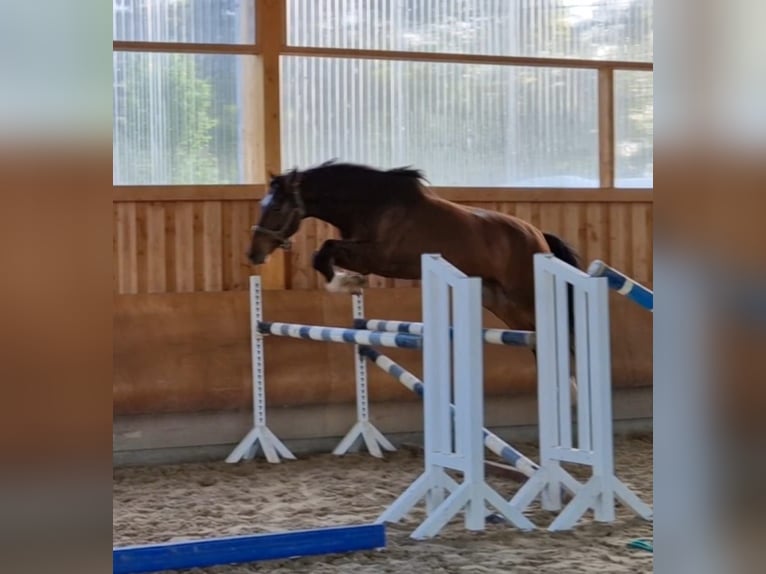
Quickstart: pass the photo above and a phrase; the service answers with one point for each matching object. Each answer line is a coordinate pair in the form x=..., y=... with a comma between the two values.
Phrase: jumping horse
x=388, y=218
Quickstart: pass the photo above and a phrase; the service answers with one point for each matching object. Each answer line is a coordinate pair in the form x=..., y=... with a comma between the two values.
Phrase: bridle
x=297, y=213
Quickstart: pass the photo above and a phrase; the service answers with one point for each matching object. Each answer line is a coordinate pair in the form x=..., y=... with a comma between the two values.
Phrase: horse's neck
x=330, y=206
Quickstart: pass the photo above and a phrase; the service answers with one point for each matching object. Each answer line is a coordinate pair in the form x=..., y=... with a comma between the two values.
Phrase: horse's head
x=282, y=210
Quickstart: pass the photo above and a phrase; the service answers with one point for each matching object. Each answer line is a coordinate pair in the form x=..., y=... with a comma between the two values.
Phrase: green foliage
x=169, y=122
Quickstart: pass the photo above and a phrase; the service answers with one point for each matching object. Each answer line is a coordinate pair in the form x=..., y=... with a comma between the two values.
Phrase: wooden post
x=606, y=127
x=271, y=35
x=252, y=105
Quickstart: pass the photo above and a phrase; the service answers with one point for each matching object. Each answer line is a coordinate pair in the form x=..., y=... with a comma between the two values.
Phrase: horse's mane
x=402, y=183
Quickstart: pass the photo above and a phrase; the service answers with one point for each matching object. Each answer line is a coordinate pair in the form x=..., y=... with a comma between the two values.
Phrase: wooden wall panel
x=191, y=352
x=183, y=246
x=187, y=246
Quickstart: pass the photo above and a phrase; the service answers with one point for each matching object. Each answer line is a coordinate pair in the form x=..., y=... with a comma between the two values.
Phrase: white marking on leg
x=343, y=282
x=337, y=284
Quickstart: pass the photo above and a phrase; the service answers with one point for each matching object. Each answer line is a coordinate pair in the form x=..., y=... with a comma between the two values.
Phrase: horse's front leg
x=355, y=256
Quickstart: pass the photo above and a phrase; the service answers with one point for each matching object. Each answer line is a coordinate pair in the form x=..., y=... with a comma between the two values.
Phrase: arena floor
x=176, y=502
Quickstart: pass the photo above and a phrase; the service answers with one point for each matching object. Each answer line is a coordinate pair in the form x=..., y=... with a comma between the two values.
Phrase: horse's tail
x=562, y=250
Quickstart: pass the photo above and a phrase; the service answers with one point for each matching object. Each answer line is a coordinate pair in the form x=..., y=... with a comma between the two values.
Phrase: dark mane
x=409, y=172
x=399, y=184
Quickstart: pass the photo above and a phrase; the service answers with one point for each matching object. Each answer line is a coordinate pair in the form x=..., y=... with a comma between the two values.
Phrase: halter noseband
x=297, y=212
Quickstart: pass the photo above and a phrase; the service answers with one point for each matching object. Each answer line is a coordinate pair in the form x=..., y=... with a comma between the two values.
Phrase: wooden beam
x=544, y=195
x=323, y=52
x=139, y=193
x=251, y=111
x=271, y=34
x=185, y=47
x=606, y=127
x=134, y=193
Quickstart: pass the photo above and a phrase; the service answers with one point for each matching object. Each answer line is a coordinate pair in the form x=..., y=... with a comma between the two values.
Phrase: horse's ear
x=271, y=175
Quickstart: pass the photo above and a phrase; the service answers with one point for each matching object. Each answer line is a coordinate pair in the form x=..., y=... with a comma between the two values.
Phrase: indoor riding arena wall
x=182, y=330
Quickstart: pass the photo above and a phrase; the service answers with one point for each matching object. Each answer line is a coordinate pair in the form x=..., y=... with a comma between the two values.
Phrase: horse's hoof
x=346, y=283
x=495, y=518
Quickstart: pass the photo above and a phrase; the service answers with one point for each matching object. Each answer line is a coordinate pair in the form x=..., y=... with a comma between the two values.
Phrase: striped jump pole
x=623, y=284
x=493, y=442
x=341, y=335
x=493, y=336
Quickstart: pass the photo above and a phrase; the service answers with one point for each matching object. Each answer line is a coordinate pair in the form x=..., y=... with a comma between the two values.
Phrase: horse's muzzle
x=256, y=258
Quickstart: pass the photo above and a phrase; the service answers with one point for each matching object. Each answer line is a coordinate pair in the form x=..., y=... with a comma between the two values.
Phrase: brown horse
x=387, y=219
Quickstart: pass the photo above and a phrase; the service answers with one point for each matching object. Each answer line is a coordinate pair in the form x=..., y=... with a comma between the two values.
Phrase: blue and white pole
x=493, y=336
x=493, y=442
x=341, y=335
x=623, y=284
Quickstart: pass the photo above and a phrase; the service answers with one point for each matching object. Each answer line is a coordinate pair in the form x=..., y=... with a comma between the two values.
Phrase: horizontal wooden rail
x=457, y=58
x=319, y=52
x=545, y=195
x=130, y=193
x=186, y=47
x=138, y=193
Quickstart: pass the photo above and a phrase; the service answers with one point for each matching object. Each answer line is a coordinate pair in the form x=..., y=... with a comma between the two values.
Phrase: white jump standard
x=460, y=360
x=593, y=446
x=590, y=444
x=363, y=430
x=272, y=447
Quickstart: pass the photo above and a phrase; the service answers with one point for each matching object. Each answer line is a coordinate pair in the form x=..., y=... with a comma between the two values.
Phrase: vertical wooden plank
x=571, y=223
x=197, y=250
x=184, y=247
x=227, y=271
x=240, y=240
x=506, y=207
x=650, y=245
x=550, y=218
x=141, y=247
x=170, y=247
x=271, y=33
x=155, y=248
x=620, y=252
x=127, y=262
x=597, y=229
x=524, y=211
x=606, y=127
x=535, y=217
x=115, y=251
x=582, y=233
x=640, y=241
x=212, y=253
